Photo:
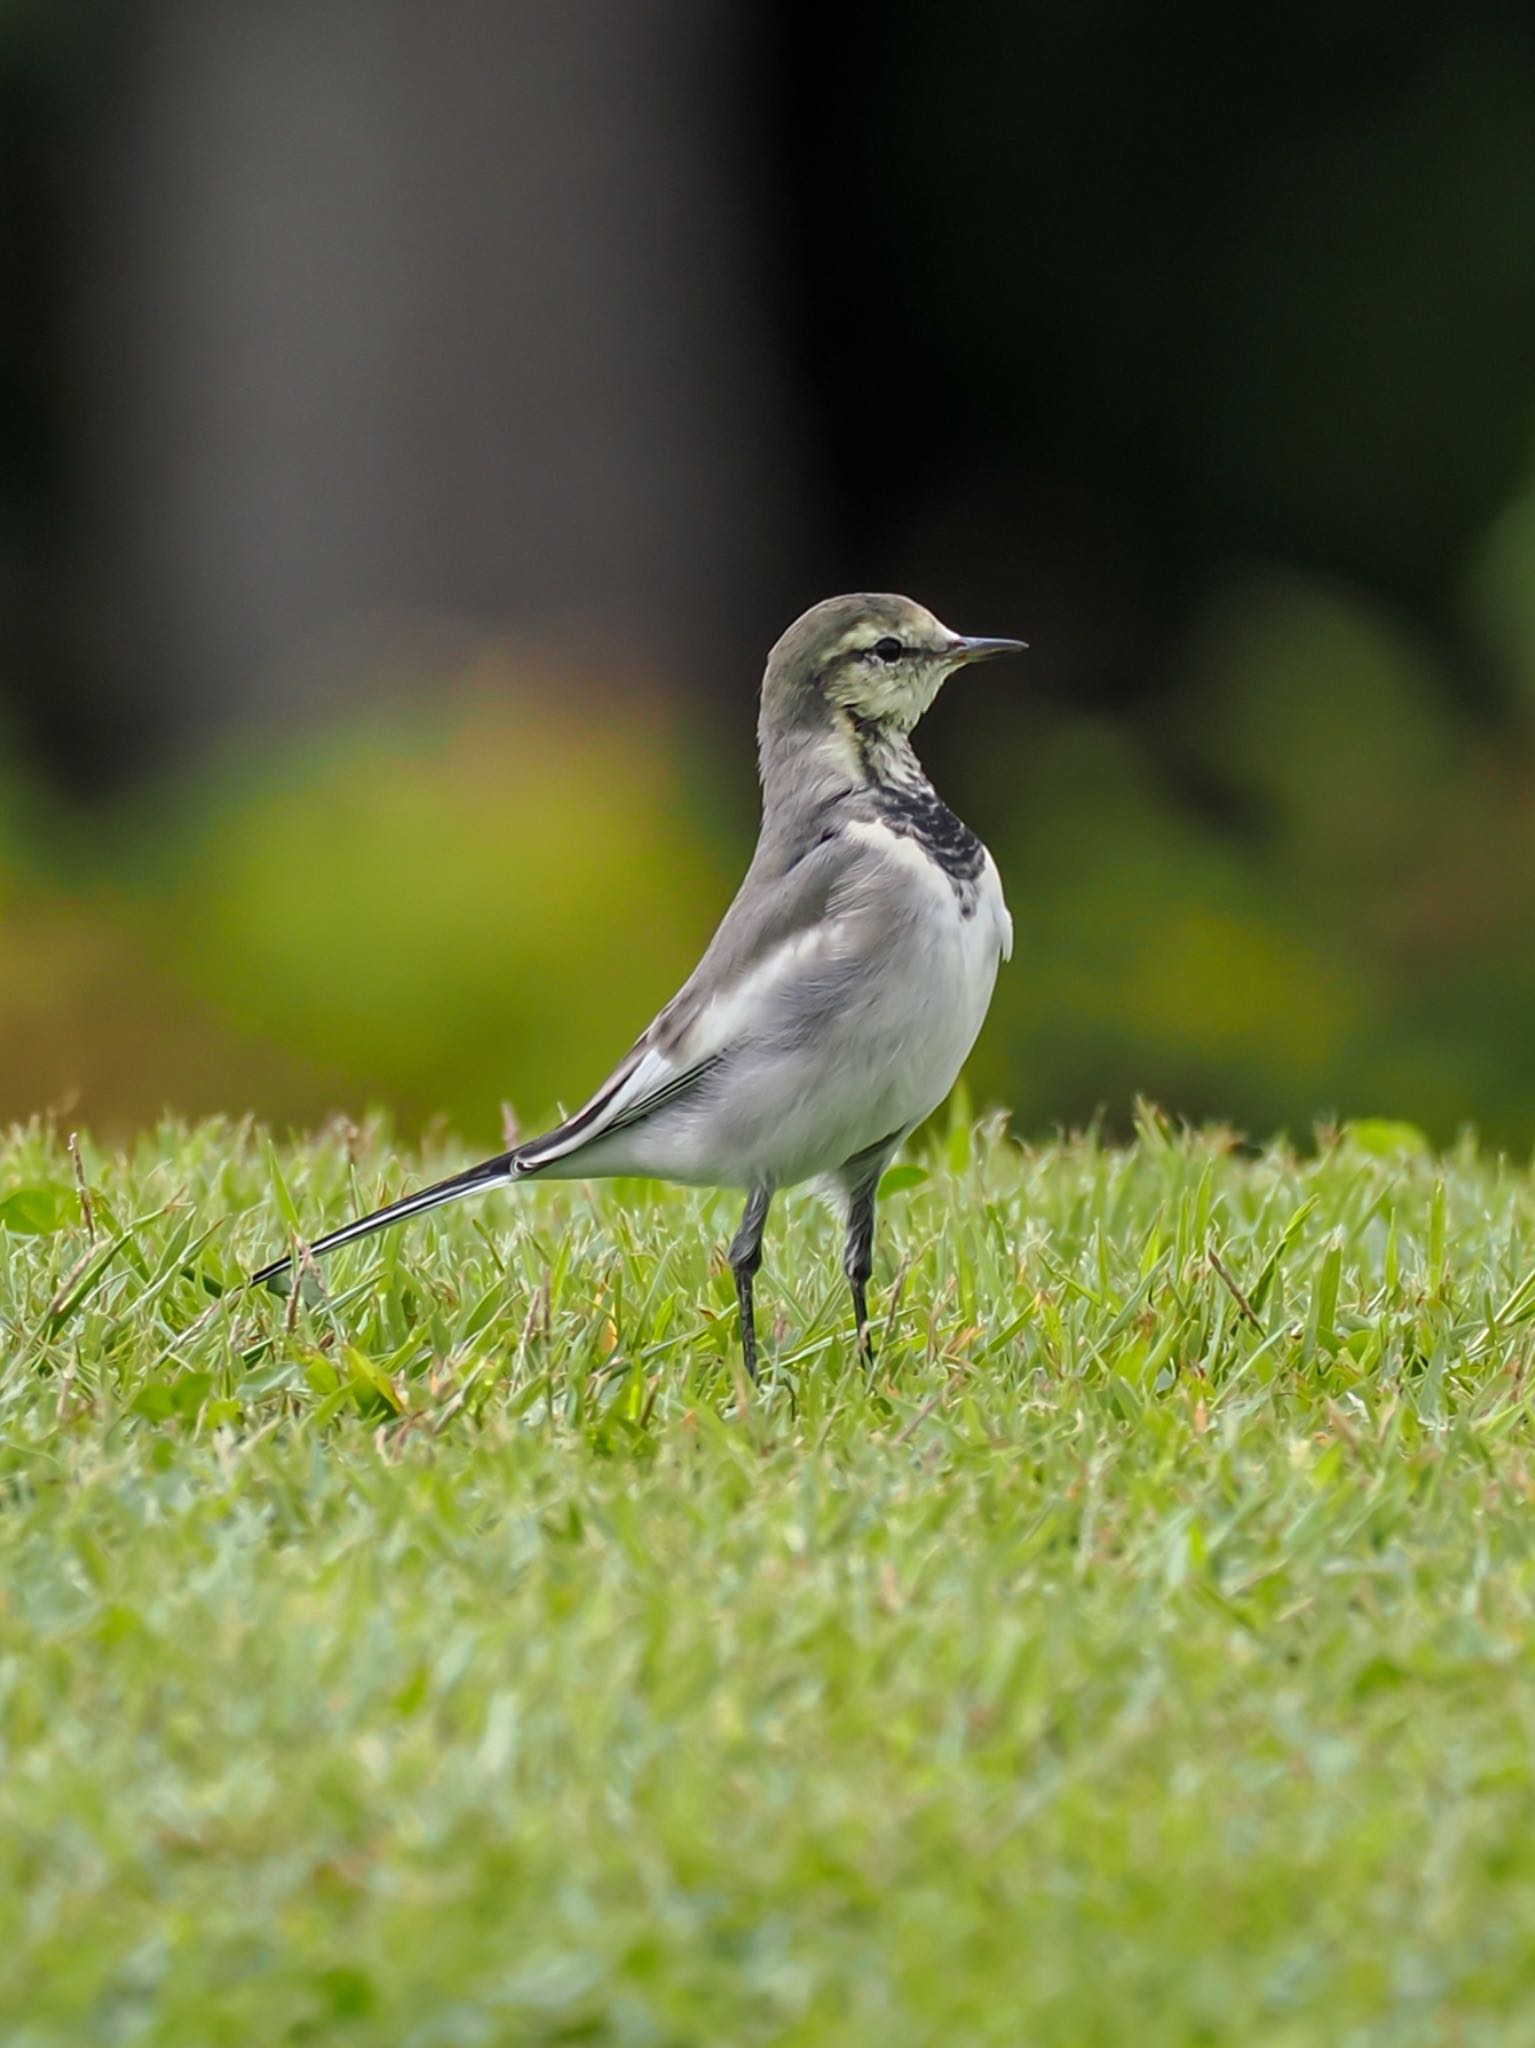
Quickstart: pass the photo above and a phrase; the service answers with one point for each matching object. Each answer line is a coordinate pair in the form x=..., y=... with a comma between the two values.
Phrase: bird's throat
x=882, y=754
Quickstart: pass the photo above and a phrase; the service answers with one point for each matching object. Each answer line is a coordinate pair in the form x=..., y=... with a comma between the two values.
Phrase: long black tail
x=488, y=1174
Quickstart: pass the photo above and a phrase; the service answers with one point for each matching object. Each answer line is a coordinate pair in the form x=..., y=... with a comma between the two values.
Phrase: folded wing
x=782, y=919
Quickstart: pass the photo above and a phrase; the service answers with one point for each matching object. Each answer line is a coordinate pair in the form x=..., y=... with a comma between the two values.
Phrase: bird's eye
x=888, y=649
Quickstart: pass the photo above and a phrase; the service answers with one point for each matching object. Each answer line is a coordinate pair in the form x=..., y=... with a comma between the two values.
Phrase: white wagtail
x=837, y=1001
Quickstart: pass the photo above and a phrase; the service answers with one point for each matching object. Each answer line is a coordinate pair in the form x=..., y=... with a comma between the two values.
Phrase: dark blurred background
x=416, y=421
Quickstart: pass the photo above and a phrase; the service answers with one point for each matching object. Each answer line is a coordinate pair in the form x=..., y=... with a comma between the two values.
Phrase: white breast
x=949, y=968
x=915, y=976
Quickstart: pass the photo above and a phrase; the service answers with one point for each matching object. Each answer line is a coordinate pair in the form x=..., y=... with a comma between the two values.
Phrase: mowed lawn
x=1141, y=1655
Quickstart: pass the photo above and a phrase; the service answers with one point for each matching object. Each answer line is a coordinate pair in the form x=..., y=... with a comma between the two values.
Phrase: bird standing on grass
x=841, y=994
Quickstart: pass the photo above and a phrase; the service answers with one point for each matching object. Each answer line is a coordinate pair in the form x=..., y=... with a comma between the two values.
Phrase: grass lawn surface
x=1141, y=1655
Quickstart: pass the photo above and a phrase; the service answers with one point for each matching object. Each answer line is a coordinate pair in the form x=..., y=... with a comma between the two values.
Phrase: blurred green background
x=416, y=424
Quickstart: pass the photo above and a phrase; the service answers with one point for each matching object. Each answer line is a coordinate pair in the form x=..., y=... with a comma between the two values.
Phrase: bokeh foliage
x=1210, y=375
x=446, y=910
x=1303, y=887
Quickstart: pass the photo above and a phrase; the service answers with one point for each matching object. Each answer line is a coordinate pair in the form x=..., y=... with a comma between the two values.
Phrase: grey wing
x=784, y=915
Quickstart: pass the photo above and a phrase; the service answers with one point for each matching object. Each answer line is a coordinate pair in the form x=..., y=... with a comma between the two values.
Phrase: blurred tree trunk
x=388, y=311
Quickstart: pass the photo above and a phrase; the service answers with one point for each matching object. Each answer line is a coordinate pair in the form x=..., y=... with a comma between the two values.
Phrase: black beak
x=984, y=650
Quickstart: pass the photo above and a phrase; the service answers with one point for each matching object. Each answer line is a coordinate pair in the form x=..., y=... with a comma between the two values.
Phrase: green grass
x=1142, y=1655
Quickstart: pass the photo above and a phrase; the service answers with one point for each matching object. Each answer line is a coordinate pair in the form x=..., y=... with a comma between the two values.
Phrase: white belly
x=946, y=968
x=838, y=1042
x=893, y=1049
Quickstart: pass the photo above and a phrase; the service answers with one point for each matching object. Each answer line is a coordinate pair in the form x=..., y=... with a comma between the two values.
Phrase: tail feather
x=488, y=1174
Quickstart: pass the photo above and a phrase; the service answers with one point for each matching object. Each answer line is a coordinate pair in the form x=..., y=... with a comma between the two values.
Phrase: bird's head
x=874, y=658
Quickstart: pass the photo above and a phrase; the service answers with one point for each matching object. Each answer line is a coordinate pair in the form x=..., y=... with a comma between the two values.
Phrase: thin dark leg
x=858, y=1260
x=745, y=1257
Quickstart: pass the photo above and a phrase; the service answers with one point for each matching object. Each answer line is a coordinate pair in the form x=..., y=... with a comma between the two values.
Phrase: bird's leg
x=858, y=1260
x=745, y=1257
